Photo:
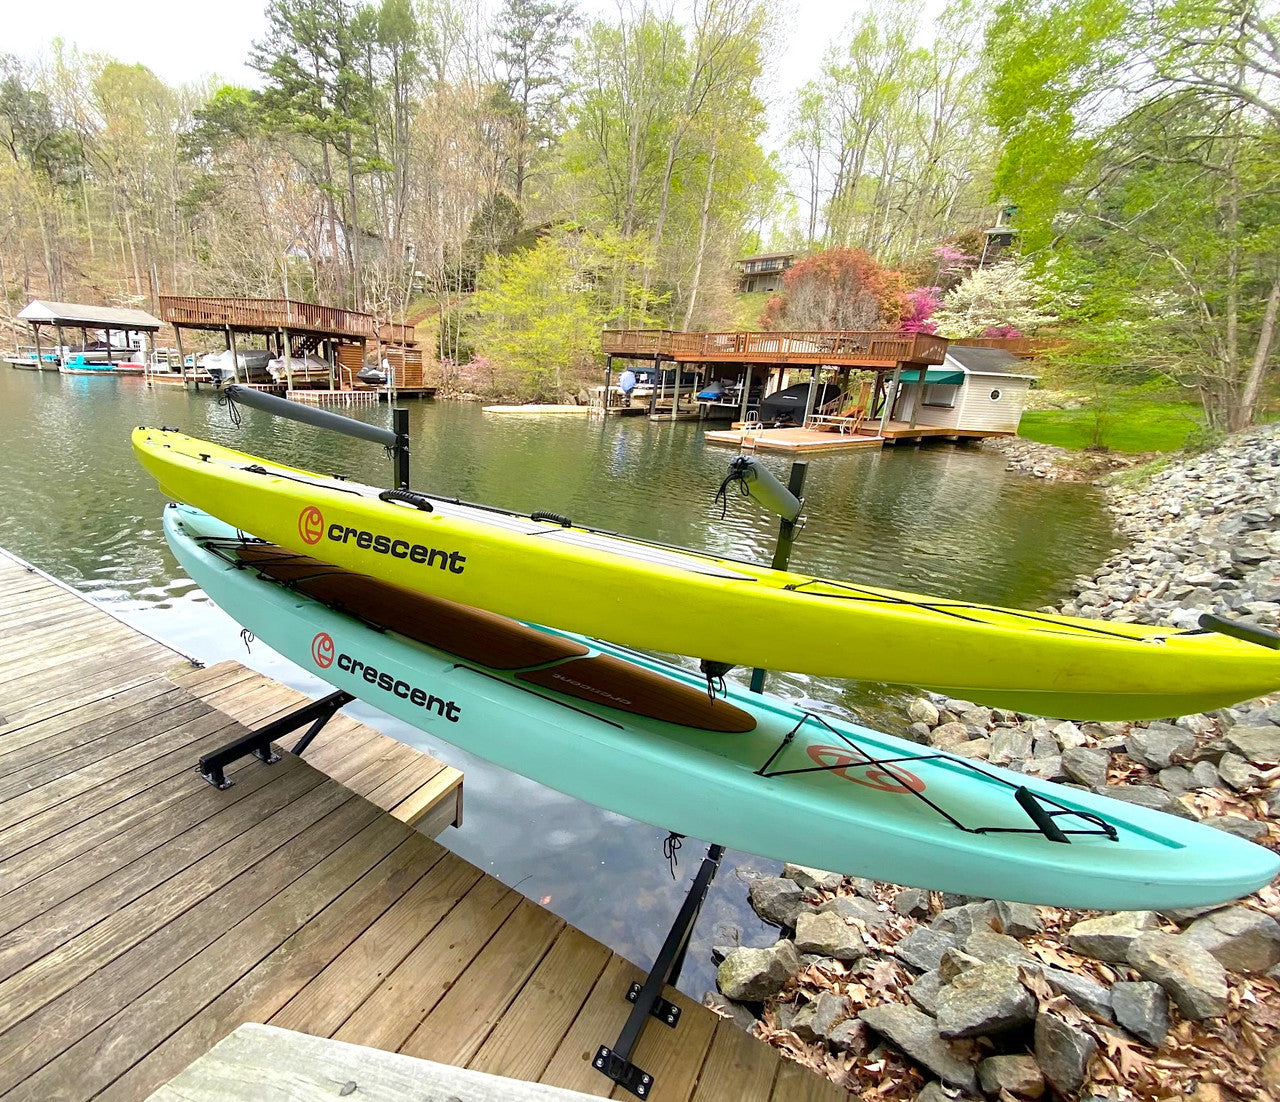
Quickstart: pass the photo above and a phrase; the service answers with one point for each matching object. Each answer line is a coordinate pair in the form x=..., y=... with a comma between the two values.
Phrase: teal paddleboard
x=643, y=738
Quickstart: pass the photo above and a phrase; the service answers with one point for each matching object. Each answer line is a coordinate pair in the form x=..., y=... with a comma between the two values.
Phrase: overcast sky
x=184, y=41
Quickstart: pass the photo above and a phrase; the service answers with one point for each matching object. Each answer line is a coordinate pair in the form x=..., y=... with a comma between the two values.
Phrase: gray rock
x=830, y=935
x=1063, y=1052
x=1088, y=994
x=1184, y=915
x=1142, y=795
x=947, y=736
x=987, y=946
x=1086, y=766
x=817, y=1020
x=777, y=900
x=967, y=917
x=1238, y=825
x=1068, y=735
x=1046, y=768
x=1109, y=936
x=740, y=1015
x=1156, y=746
x=1204, y=774
x=850, y=1036
x=750, y=975
x=924, y=992
x=1143, y=1009
x=978, y=749
x=955, y=961
x=1242, y=939
x=1010, y=744
x=1237, y=771
x=1261, y=745
x=1018, y=919
x=1018, y=1074
x=1273, y=803
x=852, y=908
x=812, y=878
x=922, y=949
x=1190, y=974
x=1176, y=780
x=916, y=1034
x=918, y=733
x=1197, y=724
x=923, y=710
x=984, y=999
x=912, y=902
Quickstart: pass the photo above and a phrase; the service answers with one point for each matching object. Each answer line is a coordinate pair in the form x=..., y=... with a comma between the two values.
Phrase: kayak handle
x=563, y=521
x=408, y=497
x=1043, y=820
x=1250, y=633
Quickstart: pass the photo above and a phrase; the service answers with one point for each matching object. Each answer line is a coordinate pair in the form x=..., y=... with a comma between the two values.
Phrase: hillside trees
x=838, y=289
x=1141, y=141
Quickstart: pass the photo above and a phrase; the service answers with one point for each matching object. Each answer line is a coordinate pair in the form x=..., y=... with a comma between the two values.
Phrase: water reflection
x=940, y=519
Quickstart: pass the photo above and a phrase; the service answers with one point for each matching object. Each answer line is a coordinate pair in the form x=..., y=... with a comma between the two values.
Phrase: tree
x=1141, y=138
x=533, y=36
x=999, y=300
x=838, y=289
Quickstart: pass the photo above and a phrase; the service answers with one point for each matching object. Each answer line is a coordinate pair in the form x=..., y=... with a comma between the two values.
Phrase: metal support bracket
x=666, y=1012
x=212, y=766
x=615, y=1062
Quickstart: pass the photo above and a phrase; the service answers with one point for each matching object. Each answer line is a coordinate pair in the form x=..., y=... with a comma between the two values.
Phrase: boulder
x=1143, y=1009
x=740, y=1015
x=1143, y=795
x=1242, y=939
x=777, y=900
x=1156, y=746
x=818, y=1020
x=922, y=949
x=1191, y=975
x=1046, y=768
x=1063, y=1052
x=966, y=918
x=924, y=992
x=912, y=902
x=1204, y=774
x=1109, y=936
x=829, y=935
x=1087, y=766
x=1010, y=744
x=1018, y=919
x=1068, y=735
x=1250, y=829
x=750, y=975
x=916, y=1034
x=923, y=710
x=1237, y=771
x=1260, y=745
x=955, y=961
x=947, y=736
x=811, y=878
x=1086, y=993
x=987, y=946
x=855, y=909
x=1018, y=1075
x=984, y=999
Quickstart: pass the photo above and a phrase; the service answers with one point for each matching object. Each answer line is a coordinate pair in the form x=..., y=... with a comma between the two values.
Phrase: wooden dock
x=144, y=914
x=796, y=441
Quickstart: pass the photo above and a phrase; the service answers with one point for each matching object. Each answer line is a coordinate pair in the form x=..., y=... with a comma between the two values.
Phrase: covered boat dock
x=61, y=316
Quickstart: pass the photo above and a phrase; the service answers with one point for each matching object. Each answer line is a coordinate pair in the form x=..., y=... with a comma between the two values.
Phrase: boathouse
x=133, y=325
x=974, y=391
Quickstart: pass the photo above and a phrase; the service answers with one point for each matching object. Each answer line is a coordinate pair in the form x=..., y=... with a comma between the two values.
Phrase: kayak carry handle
x=1042, y=819
x=555, y=518
x=408, y=497
x=1249, y=633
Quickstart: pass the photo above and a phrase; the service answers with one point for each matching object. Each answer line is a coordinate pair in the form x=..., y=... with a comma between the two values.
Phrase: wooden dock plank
x=675, y=1067
x=459, y=1023
x=597, y=1023
x=522, y=1044
x=737, y=1066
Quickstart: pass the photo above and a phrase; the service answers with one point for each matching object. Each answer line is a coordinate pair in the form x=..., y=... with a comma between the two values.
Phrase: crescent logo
x=311, y=525
x=883, y=778
x=322, y=650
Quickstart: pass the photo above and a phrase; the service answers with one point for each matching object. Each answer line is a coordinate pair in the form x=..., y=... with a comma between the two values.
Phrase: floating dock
x=144, y=914
x=797, y=441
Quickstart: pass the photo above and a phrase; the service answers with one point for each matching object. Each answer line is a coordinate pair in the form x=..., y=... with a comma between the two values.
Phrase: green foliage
x=1131, y=423
x=539, y=311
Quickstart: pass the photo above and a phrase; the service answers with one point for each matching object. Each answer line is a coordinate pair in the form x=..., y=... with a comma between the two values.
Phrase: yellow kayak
x=544, y=570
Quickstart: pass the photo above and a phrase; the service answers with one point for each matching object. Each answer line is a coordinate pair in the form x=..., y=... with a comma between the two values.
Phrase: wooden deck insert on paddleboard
x=144, y=914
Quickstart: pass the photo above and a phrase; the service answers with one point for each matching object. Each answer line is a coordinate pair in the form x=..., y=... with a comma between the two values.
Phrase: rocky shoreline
x=899, y=993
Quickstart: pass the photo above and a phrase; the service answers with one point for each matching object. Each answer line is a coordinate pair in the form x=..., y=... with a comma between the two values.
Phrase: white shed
x=976, y=390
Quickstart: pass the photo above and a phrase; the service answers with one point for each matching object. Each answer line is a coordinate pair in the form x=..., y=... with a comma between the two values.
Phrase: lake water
x=940, y=519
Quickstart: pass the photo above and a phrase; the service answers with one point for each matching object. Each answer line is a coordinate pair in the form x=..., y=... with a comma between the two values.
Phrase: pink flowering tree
x=921, y=304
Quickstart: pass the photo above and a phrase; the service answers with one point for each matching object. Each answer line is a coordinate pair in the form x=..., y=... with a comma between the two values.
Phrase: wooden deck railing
x=267, y=313
x=869, y=348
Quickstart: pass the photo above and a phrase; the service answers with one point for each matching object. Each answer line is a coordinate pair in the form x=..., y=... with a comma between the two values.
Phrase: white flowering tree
x=1002, y=300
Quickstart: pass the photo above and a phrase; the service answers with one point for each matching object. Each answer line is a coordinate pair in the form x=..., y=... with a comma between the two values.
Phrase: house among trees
x=763, y=272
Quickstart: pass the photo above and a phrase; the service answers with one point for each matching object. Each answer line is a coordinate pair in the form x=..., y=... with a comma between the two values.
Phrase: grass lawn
x=1134, y=425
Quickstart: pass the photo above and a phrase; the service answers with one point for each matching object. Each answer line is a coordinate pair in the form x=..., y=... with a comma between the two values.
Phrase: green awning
x=938, y=376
